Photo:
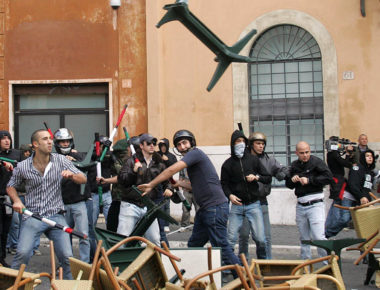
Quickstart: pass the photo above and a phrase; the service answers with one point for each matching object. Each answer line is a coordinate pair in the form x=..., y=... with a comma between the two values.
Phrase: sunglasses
x=150, y=143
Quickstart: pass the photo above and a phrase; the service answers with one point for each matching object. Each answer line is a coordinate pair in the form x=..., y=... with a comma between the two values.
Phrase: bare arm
x=110, y=180
x=78, y=178
x=184, y=183
x=17, y=204
x=165, y=175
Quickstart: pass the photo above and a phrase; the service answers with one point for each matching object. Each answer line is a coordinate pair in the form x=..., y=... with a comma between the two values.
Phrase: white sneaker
x=166, y=229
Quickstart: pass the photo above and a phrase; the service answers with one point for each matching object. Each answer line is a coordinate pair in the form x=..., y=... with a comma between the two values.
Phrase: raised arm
x=165, y=175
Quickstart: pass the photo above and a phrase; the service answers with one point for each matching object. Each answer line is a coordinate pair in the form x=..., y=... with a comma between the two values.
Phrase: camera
x=339, y=144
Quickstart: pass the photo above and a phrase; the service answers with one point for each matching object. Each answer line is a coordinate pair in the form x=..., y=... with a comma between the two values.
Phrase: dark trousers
x=5, y=223
x=211, y=225
x=113, y=216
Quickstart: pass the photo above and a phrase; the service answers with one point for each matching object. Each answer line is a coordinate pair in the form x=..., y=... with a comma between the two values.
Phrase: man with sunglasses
x=149, y=166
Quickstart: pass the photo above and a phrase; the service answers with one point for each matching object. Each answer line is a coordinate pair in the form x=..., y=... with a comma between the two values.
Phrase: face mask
x=239, y=149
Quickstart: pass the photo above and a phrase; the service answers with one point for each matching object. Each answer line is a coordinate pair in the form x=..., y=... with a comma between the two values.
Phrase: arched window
x=286, y=91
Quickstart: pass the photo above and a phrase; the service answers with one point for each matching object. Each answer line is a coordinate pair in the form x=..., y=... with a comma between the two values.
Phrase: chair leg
x=19, y=276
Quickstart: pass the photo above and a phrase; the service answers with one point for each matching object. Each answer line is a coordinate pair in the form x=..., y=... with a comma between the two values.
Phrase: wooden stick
x=107, y=267
x=365, y=253
x=136, y=283
x=174, y=264
x=52, y=261
x=116, y=271
x=209, y=261
x=248, y=272
x=95, y=260
x=60, y=273
x=242, y=278
x=19, y=276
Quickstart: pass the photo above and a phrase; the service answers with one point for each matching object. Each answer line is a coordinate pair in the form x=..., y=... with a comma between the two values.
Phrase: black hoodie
x=360, y=178
x=171, y=157
x=13, y=154
x=235, y=170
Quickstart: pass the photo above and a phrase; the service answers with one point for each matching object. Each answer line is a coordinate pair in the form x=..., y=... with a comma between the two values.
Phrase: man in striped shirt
x=42, y=174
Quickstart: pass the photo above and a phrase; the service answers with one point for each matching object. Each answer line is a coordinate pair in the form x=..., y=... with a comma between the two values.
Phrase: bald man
x=308, y=176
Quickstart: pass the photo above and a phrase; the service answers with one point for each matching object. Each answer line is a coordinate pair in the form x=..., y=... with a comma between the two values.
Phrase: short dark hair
x=35, y=134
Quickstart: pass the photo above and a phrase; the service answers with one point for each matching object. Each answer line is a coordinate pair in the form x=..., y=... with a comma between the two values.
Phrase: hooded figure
x=236, y=169
x=240, y=175
x=5, y=176
x=9, y=153
x=361, y=176
x=168, y=158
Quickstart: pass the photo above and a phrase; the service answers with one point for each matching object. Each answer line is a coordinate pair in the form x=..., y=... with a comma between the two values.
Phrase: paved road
x=286, y=246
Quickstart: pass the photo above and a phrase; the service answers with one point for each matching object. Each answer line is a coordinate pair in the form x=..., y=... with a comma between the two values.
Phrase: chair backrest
x=366, y=221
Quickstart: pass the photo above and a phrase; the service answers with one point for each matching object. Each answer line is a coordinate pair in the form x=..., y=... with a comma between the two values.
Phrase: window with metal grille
x=286, y=91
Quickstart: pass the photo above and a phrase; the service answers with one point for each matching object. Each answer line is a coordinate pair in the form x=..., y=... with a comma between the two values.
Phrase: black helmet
x=184, y=134
x=60, y=135
x=135, y=141
x=103, y=139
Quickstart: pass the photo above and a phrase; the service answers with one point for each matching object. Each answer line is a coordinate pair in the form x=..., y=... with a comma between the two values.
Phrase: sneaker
x=37, y=253
x=166, y=229
x=182, y=229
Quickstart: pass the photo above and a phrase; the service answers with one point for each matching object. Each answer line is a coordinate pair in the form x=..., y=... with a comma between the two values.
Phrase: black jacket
x=92, y=186
x=13, y=154
x=315, y=170
x=70, y=189
x=171, y=157
x=360, y=178
x=336, y=165
x=127, y=178
x=235, y=170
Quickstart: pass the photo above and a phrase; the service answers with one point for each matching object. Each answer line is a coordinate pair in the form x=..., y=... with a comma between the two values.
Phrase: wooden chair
x=146, y=270
x=73, y=284
x=366, y=220
x=10, y=278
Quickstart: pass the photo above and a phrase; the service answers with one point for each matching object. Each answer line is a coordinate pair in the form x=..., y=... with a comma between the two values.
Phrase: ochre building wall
x=77, y=40
x=185, y=65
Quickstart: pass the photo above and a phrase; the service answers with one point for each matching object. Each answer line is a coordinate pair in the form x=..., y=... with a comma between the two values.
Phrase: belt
x=310, y=202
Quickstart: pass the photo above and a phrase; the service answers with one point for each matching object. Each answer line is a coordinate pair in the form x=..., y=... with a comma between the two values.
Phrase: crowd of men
x=229, y=209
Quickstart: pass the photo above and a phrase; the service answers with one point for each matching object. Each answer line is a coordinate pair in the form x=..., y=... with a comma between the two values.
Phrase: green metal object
x=224, y=54
x=109, y=238
x=362, y=8
x=334, y=245
x=14, y=162
x=154, y=211
x=86, y=163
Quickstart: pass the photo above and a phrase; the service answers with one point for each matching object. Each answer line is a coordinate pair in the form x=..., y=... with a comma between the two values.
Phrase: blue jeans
x=130, y=215
x=245, y=230
x=256, y=223
x=76, y=217
x=14, y=230
x=337, y=218
x=311, y=226
x=93, y=211
x=210, y=224
x=31, y=229
x=107, y=200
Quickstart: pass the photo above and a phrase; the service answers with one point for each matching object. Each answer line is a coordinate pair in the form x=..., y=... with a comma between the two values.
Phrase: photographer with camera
x=359, y=184
x=340, y=155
